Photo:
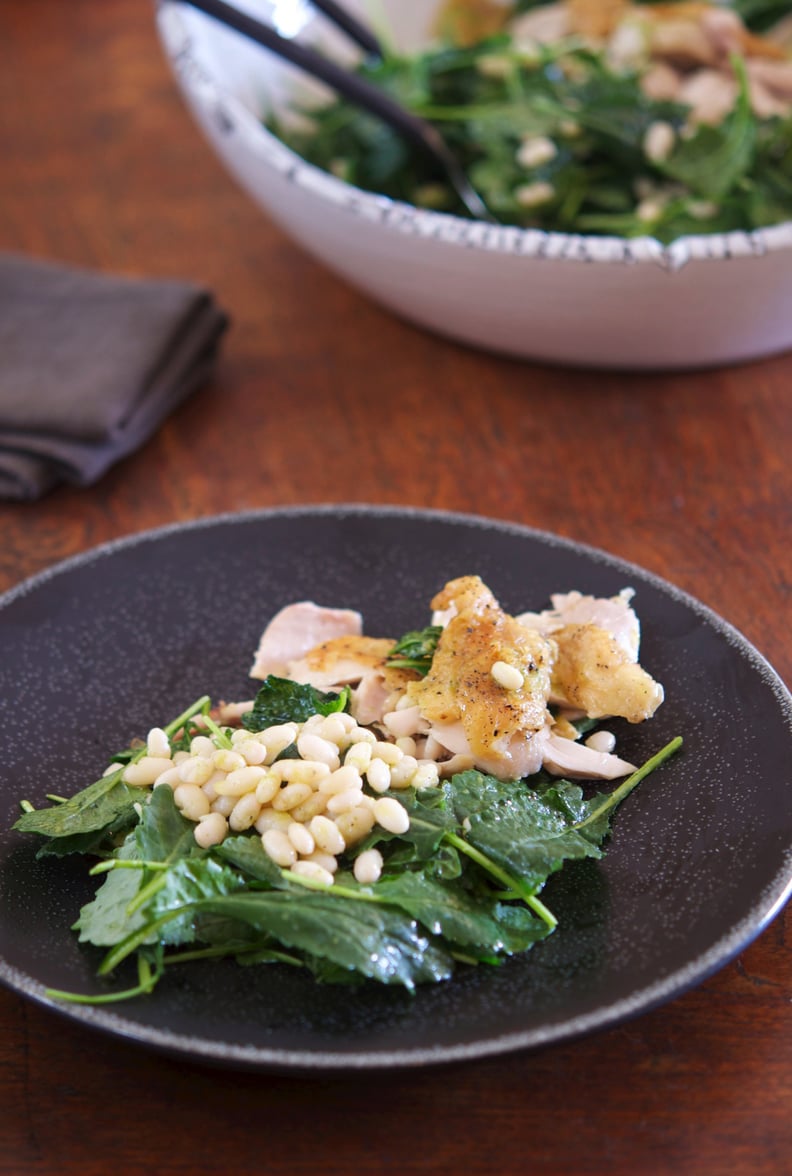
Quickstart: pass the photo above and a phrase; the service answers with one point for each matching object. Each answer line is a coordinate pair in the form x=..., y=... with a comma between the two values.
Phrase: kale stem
x=146, y=892
x=330, y=888
x=107, y=998
x=513, y=884
x=146, y=983
x=220, y=951
x=539, y=908
x=200, y=704
x=218, y=732
x=175, y=725
x=136, y=938
x=126, y=864
x=626, y=787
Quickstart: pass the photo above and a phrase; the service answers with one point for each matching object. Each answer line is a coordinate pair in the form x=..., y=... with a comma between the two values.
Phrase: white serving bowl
x=554, y=297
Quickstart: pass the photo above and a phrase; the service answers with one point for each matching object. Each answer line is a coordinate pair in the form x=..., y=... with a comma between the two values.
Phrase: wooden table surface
x=686, y=474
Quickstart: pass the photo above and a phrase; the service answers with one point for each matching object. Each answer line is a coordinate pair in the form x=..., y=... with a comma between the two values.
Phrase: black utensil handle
x=354, y=28
x=355, y=88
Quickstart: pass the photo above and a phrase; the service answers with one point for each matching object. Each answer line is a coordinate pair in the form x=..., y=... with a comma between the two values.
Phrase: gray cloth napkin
x=90, y=366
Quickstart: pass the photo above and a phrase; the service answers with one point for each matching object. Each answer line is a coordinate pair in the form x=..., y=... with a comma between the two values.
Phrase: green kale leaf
x=280, y=700
x=85, y=821
x=105, y=803
x=374, y=940
x=106, y=921
x=459, y=915
x=761, y=14
x=184, y=890
x=524, y=833
x=415, y=650
x=163, y=835
x=247, y=854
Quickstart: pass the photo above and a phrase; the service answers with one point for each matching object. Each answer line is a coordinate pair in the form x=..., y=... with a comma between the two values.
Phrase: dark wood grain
x=686, y=474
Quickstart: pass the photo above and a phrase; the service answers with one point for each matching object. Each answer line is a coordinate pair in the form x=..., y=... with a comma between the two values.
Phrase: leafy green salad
x=666, y=120
x=427, y=877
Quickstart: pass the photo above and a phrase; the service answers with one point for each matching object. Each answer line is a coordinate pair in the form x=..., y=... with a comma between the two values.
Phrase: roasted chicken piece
x=592, y=673
x=484, y=701
x=340, y=661
x=612, y=613
x=502, y=727
x=464, y=22
x=295, y=630
x=596, y=667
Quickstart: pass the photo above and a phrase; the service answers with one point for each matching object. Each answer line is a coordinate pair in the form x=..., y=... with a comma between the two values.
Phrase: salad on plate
x=383, y=809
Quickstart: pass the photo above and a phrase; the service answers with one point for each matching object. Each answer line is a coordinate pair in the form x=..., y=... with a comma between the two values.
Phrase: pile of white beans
x=308, y=811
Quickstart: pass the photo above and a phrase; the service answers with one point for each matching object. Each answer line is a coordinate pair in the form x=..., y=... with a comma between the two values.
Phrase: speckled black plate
x=106, y=645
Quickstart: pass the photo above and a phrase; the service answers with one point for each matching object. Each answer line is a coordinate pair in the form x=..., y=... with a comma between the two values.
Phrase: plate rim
x=764, y=908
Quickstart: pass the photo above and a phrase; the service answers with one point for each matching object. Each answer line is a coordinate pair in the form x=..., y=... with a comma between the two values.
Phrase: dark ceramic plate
x=105, y=645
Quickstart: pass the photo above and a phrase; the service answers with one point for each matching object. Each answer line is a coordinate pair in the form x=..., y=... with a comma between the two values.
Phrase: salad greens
x=90, y=821
x=594, y=174
x=279, y=700
x=415, y=650
x=460, y=886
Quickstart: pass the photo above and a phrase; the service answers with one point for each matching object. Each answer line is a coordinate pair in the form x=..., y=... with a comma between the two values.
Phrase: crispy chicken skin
x=340, y=660
x=500, y=725
x=595, y=670
x=592, y=673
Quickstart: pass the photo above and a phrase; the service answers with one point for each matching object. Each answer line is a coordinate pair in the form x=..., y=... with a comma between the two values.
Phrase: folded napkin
x=90, y=366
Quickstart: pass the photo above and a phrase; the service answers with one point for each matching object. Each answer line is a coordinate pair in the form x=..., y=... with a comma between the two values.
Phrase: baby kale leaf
x=138, y=868
x=280, y=700
x=106, y=920
x=761, y=14
x=415, y=650
x=104, y=803
x=104, y=808
x=459, y=915
x=376, y=941
x=163, y=834
x=185, y=888
x=430, y=819
x=248, y=855
x=515, y=827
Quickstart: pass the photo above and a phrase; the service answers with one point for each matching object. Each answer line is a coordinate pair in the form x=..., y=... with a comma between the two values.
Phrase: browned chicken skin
x=593, y=674
x=499, y=723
